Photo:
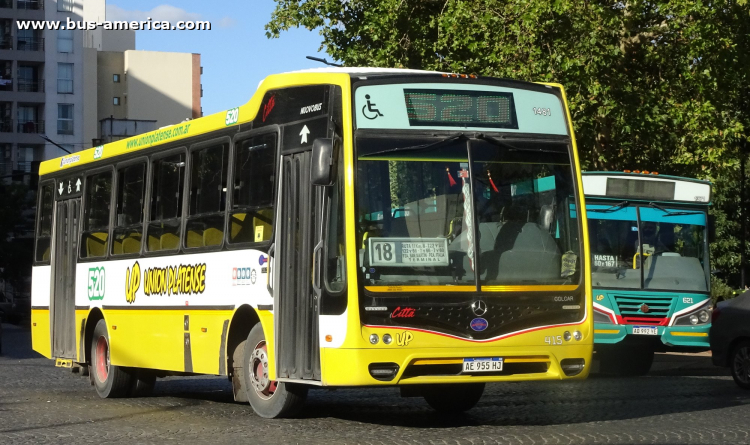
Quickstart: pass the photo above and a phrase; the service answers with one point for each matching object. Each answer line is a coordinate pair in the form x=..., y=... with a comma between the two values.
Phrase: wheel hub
x=742, y=365
x=259, y=372
x=102, y=359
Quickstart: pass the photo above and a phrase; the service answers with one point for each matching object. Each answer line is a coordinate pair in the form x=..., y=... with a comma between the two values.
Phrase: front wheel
x=109, y=380
x=453, y=398
x=740, y=362
x=269, y=398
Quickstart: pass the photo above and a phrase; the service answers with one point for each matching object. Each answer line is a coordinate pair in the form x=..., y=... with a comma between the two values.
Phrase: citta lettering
x=311, y=108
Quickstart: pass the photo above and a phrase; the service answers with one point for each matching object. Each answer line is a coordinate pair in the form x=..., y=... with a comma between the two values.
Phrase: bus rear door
x=64, y=258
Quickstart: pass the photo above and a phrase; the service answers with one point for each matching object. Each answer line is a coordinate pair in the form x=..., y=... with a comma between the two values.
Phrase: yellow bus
x=346, y=227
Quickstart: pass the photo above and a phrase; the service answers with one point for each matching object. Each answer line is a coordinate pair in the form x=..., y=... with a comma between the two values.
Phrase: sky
x=235, y=54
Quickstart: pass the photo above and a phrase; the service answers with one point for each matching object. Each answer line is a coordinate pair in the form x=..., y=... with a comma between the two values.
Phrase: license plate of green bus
x=489, y=364
x=645, y=330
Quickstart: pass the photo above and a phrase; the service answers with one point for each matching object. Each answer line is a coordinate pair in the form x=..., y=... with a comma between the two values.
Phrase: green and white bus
x=649, y=238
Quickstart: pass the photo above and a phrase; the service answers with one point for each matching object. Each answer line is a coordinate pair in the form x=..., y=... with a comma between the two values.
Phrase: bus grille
x=657, y=309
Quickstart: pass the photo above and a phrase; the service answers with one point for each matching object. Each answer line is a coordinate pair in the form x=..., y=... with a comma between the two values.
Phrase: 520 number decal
x=542, y=111
x=233, y=116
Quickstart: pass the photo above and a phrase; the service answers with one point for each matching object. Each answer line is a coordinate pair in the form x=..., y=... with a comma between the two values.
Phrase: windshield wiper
x=614, y=208
x=429, y=146
x=511, y=147
x=671, y=213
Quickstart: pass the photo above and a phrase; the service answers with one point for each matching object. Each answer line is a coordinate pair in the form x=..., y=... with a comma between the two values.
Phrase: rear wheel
x=109, y=380
x=269, y=398
x=453, y=398
x=740, y=362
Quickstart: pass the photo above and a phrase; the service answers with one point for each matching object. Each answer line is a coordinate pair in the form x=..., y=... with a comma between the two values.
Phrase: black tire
x=625, y=361
x=739, y=362
x=143, y=382
x=109, y=380
x=269, y=399
x=453, y=398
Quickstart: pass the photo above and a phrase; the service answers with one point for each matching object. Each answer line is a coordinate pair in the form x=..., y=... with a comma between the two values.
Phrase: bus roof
x=236, y=116
x=646, y=187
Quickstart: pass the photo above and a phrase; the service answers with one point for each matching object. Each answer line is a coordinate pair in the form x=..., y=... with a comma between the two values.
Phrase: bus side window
x=166, y=203
x=207, y=200
x=44, y=223
x=98, y=195
x=251, y=218
x=131, y=188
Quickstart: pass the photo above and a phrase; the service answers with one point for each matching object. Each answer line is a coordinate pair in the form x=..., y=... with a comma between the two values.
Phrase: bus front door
x=67, y=219
x=295, y=301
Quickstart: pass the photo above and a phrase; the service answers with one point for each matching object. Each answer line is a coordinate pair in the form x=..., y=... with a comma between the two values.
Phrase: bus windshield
x=668, y=243
x=428, y=216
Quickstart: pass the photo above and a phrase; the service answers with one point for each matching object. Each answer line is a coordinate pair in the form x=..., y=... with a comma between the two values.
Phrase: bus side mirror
x=323, y=162
x=711, y=229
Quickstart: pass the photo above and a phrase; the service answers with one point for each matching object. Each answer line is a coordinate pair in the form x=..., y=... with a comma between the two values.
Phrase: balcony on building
x=33, y=5
x=111, y=129
x=6, y=41
x=6, y=120
x=6, y=3
x=29, y=118
x=29, y=78
x=30, y=126
x=29, y=40
x=6, y=77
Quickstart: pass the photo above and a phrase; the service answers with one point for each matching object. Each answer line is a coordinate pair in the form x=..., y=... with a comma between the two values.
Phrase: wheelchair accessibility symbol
x=370, y=108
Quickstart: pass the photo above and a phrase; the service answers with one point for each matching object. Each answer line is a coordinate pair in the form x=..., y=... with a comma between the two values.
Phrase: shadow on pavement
x=678, y=384
x=17, y=343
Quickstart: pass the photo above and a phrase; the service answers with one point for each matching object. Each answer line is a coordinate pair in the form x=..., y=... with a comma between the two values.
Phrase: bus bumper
x=358, y=367
x=694, y=337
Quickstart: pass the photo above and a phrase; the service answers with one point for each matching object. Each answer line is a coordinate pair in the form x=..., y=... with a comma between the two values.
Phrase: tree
x=656, y=85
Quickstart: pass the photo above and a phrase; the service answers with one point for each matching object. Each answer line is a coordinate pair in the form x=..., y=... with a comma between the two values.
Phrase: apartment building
x=81, y=88
x=42, y=80
x=140, y=91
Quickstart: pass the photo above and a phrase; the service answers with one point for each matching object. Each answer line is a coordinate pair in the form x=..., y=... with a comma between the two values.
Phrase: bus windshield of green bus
x=669, y=244
x=427, y=217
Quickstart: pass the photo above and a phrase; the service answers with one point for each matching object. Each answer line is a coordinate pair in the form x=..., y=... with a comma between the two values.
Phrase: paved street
x=684, y=400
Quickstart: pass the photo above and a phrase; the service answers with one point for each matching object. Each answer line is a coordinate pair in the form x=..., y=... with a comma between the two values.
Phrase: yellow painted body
x=41, y=335
x=149, y=338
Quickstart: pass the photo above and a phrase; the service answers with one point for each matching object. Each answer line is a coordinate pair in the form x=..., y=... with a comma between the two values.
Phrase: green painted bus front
x=657, y=301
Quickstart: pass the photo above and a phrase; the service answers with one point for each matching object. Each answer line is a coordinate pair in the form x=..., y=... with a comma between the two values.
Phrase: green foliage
x=661, y=85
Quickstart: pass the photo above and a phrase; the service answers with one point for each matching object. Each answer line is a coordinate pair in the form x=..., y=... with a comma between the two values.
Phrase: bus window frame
x=187, y=183
x=116, y=184
x=82, y=214
x=236, y=142
x=37, y=224
x=147, y=210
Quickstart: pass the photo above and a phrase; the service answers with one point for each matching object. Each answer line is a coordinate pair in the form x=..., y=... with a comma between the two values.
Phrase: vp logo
x=132, y=282
x=372, y=112
x=404, y=338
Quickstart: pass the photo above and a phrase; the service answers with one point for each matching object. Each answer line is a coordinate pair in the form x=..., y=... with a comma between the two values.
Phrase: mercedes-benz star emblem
x=479, y=307
x=645, y=308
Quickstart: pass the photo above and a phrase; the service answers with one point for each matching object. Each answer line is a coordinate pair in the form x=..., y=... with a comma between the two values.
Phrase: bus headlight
x=700, y=316
x=374, y=339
